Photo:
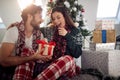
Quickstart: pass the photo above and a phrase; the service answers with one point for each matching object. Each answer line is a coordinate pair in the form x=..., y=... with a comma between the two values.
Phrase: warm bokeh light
x=107, y=8
x=1, y=20
x=43, y=3
x=24, y=3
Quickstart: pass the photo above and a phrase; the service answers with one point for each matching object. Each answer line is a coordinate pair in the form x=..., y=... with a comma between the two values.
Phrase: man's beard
x=35, y=25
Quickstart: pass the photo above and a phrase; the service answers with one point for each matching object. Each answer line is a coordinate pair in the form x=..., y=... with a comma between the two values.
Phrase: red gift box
x=48, y=47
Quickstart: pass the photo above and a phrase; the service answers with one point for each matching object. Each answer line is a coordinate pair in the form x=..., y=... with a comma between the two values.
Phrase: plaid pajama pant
x=63, y=65
x=25, y=71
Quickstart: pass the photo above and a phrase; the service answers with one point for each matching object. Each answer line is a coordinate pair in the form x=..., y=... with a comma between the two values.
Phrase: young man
x=19, y=48
x=22, y=35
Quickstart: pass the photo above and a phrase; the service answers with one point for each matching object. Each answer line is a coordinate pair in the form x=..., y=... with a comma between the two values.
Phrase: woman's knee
x=67, y=59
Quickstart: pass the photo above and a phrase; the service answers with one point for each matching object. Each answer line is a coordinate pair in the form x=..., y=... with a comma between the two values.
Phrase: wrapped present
x=102, y=46
x=97, y=36
x=48, y=47
x=104, y=36
x=106, y=62
x=104, y=25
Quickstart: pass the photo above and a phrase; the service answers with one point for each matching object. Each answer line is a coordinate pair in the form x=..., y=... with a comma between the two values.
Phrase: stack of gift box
x=105, y=58
x=104, y=35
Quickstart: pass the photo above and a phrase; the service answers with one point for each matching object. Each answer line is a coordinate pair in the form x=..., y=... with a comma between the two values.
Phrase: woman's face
x=58, y=19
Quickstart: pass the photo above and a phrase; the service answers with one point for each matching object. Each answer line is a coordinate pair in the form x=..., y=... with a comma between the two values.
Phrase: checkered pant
x=25, y=71
x=63, y=65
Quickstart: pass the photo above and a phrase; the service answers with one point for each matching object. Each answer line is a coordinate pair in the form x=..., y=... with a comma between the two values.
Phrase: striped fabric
x=60, y=66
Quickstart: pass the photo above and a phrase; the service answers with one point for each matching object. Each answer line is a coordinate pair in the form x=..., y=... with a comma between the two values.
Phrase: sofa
x=47, y=32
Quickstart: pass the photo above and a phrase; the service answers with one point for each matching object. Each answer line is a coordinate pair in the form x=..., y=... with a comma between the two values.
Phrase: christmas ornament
x=76, y=2
x=67, y=4
x=76, y=24
x=82, y=10
x=74, y=8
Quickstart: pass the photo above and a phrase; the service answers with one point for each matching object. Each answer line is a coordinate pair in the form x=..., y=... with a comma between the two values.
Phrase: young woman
x=68, y=46
x=66, y=36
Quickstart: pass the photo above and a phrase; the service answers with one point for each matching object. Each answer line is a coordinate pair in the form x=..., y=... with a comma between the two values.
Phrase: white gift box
x=48, y=48
x=78, y=61
x=105, y=46
x=102, y=46
x=104, y=24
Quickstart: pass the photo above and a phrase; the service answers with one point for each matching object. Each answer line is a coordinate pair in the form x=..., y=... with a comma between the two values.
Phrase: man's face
x=37, y=19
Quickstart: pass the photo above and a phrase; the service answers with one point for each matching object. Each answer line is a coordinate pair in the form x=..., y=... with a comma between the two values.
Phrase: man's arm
x=6, y=58
x=7, y=47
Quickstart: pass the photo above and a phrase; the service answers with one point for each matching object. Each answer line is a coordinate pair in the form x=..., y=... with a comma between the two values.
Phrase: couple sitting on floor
x=18, y=64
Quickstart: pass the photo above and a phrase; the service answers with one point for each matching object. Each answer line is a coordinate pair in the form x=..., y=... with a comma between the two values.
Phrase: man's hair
x=31, y=9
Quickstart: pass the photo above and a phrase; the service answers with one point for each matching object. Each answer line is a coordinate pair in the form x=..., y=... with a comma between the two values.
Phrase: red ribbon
x=41, y=42
x=52, y=43
x=50, y=47
x=49, y=50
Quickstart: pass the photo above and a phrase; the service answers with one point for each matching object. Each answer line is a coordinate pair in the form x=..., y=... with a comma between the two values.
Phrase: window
x=107, y=8
x=0, y=20
x=1, y=24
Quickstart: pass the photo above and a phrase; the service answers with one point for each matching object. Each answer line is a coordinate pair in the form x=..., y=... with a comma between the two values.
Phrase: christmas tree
x=74, y=9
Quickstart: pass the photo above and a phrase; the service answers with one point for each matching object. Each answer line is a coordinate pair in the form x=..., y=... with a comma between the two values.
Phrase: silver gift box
x=105, y=61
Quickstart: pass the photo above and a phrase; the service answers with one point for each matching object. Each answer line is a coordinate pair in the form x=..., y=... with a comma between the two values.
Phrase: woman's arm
x=74, y=41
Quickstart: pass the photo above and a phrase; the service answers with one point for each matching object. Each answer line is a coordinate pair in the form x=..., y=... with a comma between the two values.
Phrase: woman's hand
x=62, y=31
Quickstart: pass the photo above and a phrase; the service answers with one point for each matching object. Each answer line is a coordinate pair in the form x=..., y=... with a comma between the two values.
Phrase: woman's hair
x=63, y=10
x=31, y=9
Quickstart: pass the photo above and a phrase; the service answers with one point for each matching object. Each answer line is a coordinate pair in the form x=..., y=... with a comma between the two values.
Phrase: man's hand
x=62, y=31
x=38, y=56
